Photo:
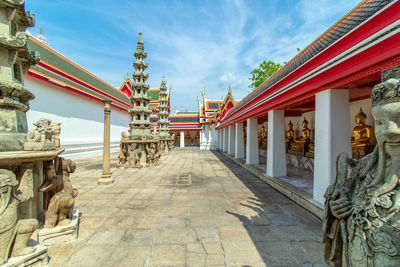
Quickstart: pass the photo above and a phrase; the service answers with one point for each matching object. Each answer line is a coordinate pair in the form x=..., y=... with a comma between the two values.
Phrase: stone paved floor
x=195, y=209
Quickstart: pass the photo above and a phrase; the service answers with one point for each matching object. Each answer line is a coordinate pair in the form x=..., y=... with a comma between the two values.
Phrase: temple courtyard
x=197, y=208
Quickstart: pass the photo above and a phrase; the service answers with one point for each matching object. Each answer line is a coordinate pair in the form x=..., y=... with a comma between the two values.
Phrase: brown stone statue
x=362, y=218
x=14, y=232
x=361, y=137
x=124, y=137
x=121, y=155
x=134, y=153
x=157, y=155
x=61, y=194
x=151, y=151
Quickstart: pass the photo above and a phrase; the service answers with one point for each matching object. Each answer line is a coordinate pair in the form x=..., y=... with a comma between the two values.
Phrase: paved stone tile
x=221, y=216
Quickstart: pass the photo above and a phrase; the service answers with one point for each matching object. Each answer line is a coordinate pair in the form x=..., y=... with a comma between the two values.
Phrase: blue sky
x=196, y=45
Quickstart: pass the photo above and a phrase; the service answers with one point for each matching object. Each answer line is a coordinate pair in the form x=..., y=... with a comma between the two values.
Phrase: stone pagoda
x=163, y=115
x=29, y=161
x=140, y=112
x=140, y=148
x=16, y=60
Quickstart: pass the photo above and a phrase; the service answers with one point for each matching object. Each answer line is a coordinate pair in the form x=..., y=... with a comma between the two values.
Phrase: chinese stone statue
x=41, y=138
x=134, y=153
x=151, y=151
x=362, y=218
x=14, y=232
x=61, y=194
x=361, y=137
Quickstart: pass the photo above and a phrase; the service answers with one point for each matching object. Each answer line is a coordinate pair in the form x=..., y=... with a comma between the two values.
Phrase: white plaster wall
x=81, y=117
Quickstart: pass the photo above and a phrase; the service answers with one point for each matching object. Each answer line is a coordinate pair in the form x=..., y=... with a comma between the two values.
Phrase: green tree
x=263, y=72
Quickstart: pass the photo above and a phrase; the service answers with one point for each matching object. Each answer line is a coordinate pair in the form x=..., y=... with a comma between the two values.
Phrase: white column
x=332, y=136
x=225, y=146
x=276, y=151
x=231, y=139
x=214, y=138
x=239, y=141
x=182, y=139
x=221, y=139
x=252, y=142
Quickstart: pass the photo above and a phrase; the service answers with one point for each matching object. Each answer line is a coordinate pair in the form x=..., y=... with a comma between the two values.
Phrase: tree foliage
x=263, y=72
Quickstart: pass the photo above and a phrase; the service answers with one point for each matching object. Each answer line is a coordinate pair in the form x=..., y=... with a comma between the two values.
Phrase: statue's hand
x=340, y=208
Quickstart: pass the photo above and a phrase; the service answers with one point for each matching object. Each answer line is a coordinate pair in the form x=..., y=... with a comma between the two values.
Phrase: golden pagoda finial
x=229, y=91
x=41, y=30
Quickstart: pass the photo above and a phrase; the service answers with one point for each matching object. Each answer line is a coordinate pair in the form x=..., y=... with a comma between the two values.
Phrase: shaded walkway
x=198, y=208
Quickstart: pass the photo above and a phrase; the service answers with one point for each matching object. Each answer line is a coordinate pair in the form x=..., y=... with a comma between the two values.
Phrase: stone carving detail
x=41, y=138
x=134, y=153
x=362, y=218
x=151, y=151
x=61, y=194
x=57, y=130
x=14, y=233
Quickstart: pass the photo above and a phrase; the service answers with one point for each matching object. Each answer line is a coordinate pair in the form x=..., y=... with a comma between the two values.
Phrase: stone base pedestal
x=38, y=146
x=38, y=258
x=300, y=162
x=105, y=180
x=60, y=234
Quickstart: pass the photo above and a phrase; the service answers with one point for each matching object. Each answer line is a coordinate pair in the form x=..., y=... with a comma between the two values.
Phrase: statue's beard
x=4, y=199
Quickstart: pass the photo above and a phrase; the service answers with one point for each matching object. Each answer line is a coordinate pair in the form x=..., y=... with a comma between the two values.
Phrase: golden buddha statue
x=300, y=146
x=305, y=133
x=188, y=139
x=197, y=138
x=290, y=132
x=289, y=135
x=262, y=139
x=361, y=137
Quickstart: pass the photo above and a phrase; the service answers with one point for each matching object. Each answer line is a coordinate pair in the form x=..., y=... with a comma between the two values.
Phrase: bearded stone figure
x=14, y=232
x=362, y=218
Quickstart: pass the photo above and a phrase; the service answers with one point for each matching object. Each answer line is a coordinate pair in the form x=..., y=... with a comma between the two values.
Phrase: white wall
x=81, y=117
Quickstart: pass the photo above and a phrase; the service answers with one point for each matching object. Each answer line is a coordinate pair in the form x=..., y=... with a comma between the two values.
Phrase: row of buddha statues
x=303, y=145
x=189, y=140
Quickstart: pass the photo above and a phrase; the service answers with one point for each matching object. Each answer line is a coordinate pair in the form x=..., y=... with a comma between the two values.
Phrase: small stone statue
x=61, y=193
x=151, y=151
x=124, y=137
x=57, y=130
x=134, y=153
x=362, y=218
x=157, y=155
x=41, y=138
x=14, y=232
x=121, y=155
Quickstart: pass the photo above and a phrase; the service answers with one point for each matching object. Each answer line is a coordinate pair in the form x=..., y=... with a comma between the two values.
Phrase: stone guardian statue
x=14, y=232
x=362, y=218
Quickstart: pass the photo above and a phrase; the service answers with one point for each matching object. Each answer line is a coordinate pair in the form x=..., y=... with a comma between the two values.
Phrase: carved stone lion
x=41, y=138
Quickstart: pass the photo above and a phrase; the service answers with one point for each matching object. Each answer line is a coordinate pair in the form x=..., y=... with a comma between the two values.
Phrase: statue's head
x=290, y=125
x=361, y=117
x=304, y=123
x=7, y=181
x=386, y=111
x=43, y=125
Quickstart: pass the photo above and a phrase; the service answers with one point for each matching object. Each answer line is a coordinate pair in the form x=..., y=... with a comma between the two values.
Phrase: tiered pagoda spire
x=163, y=113
x=140, y=112
x=16, y=60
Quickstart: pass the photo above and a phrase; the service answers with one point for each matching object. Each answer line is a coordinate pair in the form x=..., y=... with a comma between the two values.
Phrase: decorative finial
x=41, y=31
x=229, y=91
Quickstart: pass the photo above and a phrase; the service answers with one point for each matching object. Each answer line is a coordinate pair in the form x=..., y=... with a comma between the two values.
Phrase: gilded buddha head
x=360, y=117
x=290, y=125
x=304, y=124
